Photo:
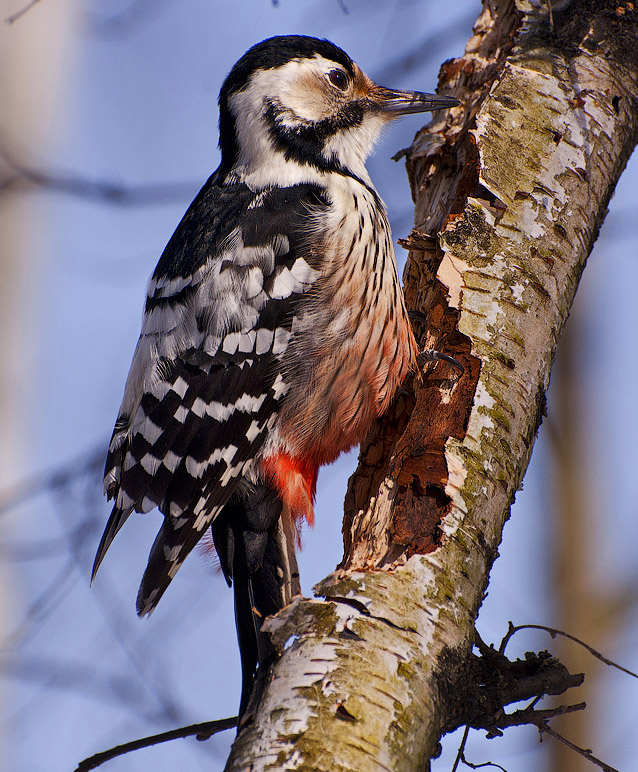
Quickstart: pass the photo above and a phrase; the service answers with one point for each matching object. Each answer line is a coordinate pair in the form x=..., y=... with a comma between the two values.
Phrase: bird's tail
x=255, y=537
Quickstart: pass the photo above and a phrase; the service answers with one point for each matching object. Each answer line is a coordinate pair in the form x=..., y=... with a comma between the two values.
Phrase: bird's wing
x=205, y=384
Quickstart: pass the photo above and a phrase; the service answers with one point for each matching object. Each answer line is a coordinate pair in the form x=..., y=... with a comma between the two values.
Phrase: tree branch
x=474, y=691
x=202, y=731
x=513, y=629
x=584, y=752
x=18, y=14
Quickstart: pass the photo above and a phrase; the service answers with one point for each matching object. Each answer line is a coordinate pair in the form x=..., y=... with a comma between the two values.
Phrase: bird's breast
x=352, y=344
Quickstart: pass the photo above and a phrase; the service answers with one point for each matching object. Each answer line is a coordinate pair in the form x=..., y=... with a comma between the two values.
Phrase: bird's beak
x=396, y=103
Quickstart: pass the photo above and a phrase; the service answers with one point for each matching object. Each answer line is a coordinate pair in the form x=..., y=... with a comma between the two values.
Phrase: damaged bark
x=510, y=190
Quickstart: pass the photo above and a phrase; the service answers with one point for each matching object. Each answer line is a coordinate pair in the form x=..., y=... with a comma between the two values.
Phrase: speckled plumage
x=274, y=329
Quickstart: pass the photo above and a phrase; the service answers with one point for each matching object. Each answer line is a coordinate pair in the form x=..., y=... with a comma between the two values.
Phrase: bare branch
x=202, y=731
x=584, y=752
x=512, y=630
x=532, y=717
x=459, y=755
x=538, y=718
x=484, y=764
x=18, y=14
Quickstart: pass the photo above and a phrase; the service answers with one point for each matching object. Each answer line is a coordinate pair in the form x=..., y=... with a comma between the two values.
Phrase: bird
x=274, y=331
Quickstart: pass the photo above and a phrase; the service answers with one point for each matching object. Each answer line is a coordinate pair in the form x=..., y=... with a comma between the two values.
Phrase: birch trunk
x=517, y=182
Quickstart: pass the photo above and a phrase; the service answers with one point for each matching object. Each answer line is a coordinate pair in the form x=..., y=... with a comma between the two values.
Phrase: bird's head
x=294, y=102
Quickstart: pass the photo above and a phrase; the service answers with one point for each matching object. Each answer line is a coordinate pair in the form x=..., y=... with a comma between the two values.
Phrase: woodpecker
x=274, y=331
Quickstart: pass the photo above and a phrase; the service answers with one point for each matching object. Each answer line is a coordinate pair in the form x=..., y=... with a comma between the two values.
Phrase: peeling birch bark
x=517, y=181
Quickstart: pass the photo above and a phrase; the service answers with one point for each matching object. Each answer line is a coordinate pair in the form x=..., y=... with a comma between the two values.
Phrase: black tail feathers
x=255, y=541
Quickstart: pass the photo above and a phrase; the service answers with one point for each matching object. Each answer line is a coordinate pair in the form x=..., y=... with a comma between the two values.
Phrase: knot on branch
x=475, y=690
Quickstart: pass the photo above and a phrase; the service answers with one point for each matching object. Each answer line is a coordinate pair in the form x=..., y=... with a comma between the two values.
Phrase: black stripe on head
x=267, y=55
x=304, y=143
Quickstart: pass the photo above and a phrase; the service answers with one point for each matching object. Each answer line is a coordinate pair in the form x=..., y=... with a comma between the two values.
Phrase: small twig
x=459, y=755
x=202, y=731
x=584, y=752
x=21, y=12
x=511, y=630
x=489, y=652
x=551, y=15
x=484, y=764
x=529, y=716
x=535, y=701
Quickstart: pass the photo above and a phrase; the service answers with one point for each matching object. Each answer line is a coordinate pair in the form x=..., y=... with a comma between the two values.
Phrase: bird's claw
x=431, y=355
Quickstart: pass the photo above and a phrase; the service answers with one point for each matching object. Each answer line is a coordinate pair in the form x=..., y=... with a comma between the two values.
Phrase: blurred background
x=108, y=127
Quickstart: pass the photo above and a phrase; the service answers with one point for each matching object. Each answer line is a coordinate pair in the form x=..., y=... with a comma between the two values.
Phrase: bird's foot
x=431, y=355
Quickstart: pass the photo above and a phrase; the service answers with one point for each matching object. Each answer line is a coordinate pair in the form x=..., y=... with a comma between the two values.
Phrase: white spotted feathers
x=274, y=328
x=205, y=383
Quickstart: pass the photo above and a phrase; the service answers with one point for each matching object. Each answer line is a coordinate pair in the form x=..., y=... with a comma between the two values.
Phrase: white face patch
x=301, y=87
x=303, y=95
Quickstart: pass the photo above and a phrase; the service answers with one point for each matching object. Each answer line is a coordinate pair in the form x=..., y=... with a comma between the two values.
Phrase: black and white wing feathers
x=206, y=384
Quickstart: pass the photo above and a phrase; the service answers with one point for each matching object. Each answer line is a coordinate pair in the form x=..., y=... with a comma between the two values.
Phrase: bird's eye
x=339, y=79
